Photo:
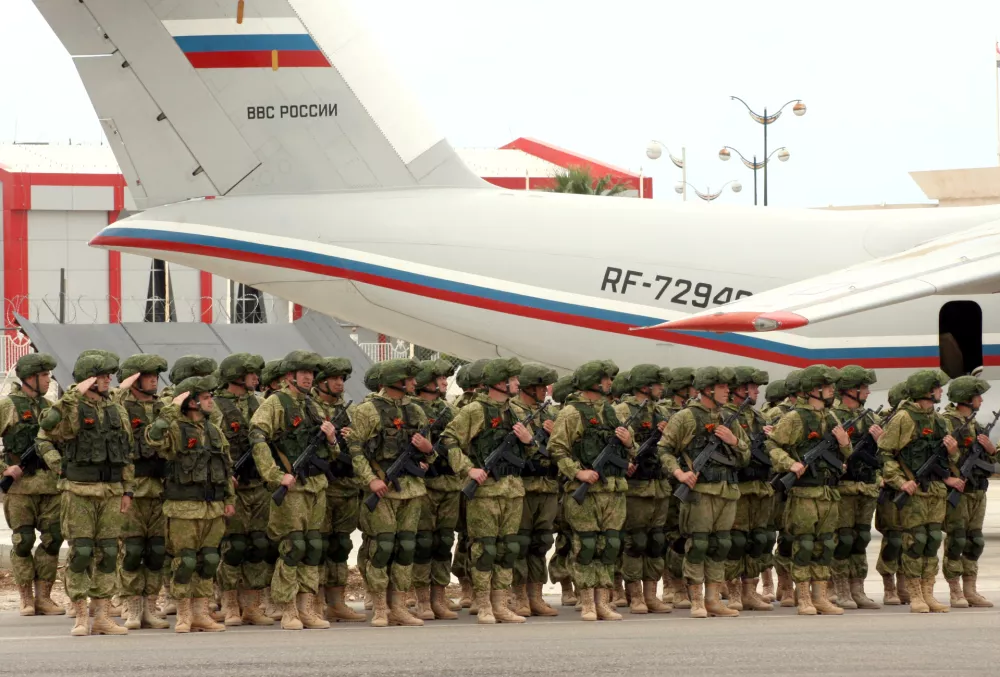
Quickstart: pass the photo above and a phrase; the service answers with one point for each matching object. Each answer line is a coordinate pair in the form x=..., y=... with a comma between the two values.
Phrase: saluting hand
x=179, y=400
x=127, y=383
x=84, y=385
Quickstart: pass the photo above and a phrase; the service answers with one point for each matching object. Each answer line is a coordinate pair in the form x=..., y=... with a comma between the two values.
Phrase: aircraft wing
x=966, y=262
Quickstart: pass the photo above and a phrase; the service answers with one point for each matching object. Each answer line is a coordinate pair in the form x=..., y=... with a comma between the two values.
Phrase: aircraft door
x=960, y=328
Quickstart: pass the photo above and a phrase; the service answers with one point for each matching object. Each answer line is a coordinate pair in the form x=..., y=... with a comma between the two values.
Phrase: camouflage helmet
x=195, y=385
x=471, y=375
x=919, y=384
x=964, y=388
x=371, y=377
x=271, y=372
x=589, y=374
x=853, y=376
x=620, y=384
x=793, y=382
x=761, y=377
x=501, y=369
x=427, y=373
x=444, y=368
x=642, y=375
x=680, y=378
x=236, y=367
x=665, y=377
x=562, y=388
x=742, y=376
x=111, y=360
x=816, y=376
x=34, y=363
x=142, y=363
x=191, y=365
x=92, y=365
x=330, y=367
x=776, y=391
x=897, y=394
x=537, y=375
x=394, y=371
x=301, y=360
x=707, y=377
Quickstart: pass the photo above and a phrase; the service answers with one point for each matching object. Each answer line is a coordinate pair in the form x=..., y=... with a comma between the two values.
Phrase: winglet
x=734, y=322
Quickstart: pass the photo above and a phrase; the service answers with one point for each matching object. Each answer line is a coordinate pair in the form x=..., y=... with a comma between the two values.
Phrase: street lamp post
x=782, y=154
x=798, y=108
x=655, y=149
x=708, y=195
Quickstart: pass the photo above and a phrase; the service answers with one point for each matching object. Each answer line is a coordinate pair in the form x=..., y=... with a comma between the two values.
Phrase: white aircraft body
x=267, y=143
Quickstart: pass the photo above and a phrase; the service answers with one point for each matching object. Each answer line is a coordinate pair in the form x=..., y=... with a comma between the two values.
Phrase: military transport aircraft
x=269, y=143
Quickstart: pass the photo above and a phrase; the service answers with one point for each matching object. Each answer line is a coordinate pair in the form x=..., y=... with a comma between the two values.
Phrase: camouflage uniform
x=781, y=558
x=677, y=387
x=887, y=518
x=559, y=562
x=32, y=502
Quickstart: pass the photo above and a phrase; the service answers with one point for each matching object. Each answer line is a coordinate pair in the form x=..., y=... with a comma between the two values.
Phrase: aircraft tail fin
x=205, y=97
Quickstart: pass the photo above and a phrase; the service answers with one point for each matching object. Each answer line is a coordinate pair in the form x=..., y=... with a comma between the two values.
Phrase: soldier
x=708, y=519
x=782, y=554
x=144, y=552
x=97, y=484
x=775, y=396
x=32, y=502
x=677, y=391
x=887, y=524
x=558, y=565
x=541, y=496
x=244, y=572
x=858, y=490
x=370, y=379
x=811, y=508
x=646, y=498
x=619, y=386
x=751, y=538
x=914, y=436
x=184, y=368
x=284, y=428
x=494, y=514
x=439, y=509
x=964, y=523
x=382, y=429
x=271, y=377
x=584, y=427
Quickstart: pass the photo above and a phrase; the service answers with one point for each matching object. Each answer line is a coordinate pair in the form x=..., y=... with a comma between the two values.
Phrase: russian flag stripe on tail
x=223, y=43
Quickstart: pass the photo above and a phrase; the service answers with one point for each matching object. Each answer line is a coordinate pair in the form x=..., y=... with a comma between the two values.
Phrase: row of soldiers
x=148, y=486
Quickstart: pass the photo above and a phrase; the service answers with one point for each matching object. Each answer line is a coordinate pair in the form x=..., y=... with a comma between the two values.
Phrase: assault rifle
x=973, y=460
x=305, y=460
x=757, y=449
x=866, y=449
x=242, y=469
x=541, y=436
x=931, y=469
x=407, y=463
x=343, y=460
x=503, y=453
x=711, y=452
x=610, y=455
x=434, y=431
x=825, y=449
x=29, y=464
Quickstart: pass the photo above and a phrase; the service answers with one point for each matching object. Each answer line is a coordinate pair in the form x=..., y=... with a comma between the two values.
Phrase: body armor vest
x=21, y=436
x=857, y=471
x=199, y=473
x=930, y=429
x=819, y=473
x=342, y=466
x=537, y=465
x=397, y=424
x=236, y=428
x=101, y=447
x=713, y=472
x=497, y=424
x=649, y=467
x=754, y=471
x=302, y=423
x=147, y=462
x=596, y=435
x=439, y=415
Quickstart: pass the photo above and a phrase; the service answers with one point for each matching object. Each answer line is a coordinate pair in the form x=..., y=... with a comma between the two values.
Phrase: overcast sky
x=891, y=86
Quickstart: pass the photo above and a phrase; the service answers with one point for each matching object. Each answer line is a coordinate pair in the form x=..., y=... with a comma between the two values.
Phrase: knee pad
x=314, y=549
x=424, y=547
x=679, y=545
x=24, y=541
x=52, y=539
x=757, y=542
x=957, y=540
x=512, y=549
x=406, y=547
x=155, y=554
x=187, y=564
x=444, y=541
x=919, y=544
x=134, y=547
x=385, y=544
x=771, y=536
x=109, y=555
x=804, y=555
x=540, y=544
x=657, y=547
x=588, y=547
x=340, y=547
x=720, y=543
x=296, y=543
x=637, y=543
x=892, y=546
x=209, y=559
x=698, y=546
x=934, y=538
x=862, y=537
x=845, y=543
x=829, y=542
x=612, y=546
x=738, y=548
x=257, y=547
x=236, y=549
x=523, y=540
x=975, y=545
x=784, y=540
x=82, y=555
x=489, y=556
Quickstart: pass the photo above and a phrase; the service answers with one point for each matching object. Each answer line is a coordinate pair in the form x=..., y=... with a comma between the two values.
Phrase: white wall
x=58, y=239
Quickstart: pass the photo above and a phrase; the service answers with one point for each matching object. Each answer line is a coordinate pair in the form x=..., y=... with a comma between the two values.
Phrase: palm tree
x=578, y=180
